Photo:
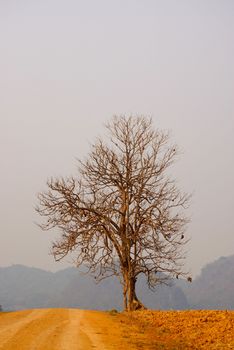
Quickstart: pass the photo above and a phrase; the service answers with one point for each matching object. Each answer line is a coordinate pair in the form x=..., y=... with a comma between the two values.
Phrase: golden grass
x=178, y=330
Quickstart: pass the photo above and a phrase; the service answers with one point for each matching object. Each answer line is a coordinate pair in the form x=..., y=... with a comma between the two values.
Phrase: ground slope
x=70, y=329
x=50, y=329
x=182, y=330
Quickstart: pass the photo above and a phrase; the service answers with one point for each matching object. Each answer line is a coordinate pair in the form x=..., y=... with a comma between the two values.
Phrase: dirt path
x=50, y=329
x=73, y=329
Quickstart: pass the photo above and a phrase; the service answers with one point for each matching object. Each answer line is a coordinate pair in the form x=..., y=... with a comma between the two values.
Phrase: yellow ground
x=50, y=329
x=179, y=330
x=70, y=329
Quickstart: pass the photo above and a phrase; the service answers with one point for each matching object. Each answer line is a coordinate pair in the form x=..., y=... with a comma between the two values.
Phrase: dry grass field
x=50, y=329
x=178, y=330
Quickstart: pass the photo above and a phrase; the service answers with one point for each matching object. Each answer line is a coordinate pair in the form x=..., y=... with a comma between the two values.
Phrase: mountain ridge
x=24, y=287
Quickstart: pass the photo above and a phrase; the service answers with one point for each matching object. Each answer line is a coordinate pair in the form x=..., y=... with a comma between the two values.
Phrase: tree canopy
x=122, y=214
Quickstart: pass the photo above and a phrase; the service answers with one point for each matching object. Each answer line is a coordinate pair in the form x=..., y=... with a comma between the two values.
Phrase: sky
x=66, y=67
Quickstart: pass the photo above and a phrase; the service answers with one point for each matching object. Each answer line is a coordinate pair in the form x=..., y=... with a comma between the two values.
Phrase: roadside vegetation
x=178, y=330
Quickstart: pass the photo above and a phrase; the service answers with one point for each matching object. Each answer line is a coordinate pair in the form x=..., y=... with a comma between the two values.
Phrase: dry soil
x=63, y=329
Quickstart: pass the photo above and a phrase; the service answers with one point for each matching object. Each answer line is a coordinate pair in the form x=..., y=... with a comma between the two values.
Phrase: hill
x=24, y=287
x=213, y=289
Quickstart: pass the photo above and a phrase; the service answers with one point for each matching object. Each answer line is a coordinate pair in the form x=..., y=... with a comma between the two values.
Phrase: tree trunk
x=125, y=299
x=131, y=302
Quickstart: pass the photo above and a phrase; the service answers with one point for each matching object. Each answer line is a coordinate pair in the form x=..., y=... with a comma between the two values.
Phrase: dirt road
x=72, y=329
x=50, y=329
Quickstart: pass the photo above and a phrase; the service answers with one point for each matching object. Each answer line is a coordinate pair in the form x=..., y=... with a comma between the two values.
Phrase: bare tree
x=122, y=215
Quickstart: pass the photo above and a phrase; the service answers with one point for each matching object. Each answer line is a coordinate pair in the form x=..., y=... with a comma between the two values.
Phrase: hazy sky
x=68, y=66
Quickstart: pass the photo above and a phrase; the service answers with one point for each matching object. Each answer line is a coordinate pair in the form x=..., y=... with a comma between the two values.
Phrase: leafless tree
x=122, y=215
